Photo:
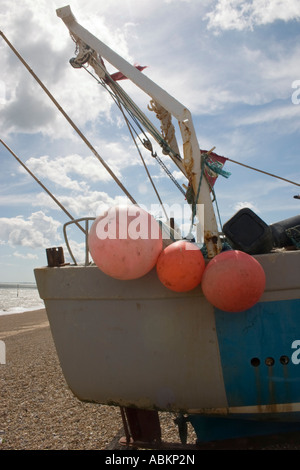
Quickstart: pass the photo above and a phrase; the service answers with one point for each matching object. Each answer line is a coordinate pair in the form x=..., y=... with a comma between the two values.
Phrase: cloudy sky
x=234, y=64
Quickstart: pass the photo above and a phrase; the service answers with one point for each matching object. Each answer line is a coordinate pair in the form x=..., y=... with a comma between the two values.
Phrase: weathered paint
x=264, y=333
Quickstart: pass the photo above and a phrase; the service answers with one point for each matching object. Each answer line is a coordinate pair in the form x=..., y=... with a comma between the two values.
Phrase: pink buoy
x=180, y=266
x=125, y=242
x=233, y=281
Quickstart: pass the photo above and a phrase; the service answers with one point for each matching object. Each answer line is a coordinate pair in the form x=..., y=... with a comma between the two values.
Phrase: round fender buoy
x=233, y=281
x=180, y=266
x=125, y=242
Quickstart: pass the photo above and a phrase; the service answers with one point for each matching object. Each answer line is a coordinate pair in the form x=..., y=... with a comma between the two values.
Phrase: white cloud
x=241, y=205
x=26, y=112
x=241, y=14
x=38, y=230
x=17, y=199
x=76, y=172
x=58, y=169
x=46, y=47
x=89, y=204
x=272, y=115
x=25, y=256
x=92, y=204
x=78, y=252
x=268, y=11
x=179, y=176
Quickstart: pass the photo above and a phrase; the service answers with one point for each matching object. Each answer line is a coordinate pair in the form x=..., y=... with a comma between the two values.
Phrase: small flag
x=120, y=76
x=214, y=159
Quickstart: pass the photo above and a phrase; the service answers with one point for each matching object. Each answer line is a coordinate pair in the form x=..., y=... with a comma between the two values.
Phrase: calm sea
x=16, y=298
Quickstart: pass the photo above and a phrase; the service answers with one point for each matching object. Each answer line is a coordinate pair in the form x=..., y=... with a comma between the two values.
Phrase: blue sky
x=234, y=64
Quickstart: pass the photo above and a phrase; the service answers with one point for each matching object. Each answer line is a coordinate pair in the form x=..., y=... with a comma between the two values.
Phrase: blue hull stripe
x=209, y=428
x=248, y=341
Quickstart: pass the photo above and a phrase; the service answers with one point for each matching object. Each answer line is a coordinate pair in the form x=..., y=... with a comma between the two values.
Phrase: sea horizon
x=13, y=284
x=19, y=297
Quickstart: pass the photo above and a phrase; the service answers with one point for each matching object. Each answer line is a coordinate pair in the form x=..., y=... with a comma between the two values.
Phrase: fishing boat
x=145, y=348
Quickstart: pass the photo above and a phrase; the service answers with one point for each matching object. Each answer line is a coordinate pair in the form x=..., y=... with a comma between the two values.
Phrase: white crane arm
x=191, y=149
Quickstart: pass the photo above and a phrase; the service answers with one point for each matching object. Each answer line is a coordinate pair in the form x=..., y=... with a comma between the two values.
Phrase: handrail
x=86, y=231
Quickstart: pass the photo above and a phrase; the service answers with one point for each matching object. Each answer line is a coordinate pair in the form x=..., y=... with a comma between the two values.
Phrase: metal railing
x=86, y=231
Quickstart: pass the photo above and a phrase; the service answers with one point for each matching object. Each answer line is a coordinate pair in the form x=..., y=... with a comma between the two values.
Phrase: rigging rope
x=261, y=171
x=42, y=185
x=161, y=163
x=146, y=142
x=69, y=120
x=141, y=156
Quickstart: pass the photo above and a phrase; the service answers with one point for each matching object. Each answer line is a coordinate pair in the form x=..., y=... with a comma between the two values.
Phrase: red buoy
x=180, y=266
x=125, y=242
x=233, y=281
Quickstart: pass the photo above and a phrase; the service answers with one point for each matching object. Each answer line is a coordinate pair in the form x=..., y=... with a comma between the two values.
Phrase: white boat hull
x=138, y=344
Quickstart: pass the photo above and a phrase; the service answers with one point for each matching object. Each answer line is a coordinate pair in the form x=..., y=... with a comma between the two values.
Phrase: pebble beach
x=39, y=412
x=37, y=409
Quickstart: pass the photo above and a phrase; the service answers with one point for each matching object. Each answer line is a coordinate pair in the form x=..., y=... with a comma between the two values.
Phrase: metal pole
x=41, y=184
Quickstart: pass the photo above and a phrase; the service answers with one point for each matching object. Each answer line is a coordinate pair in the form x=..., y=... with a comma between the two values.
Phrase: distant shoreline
x=12, y=285
x=34, y=311
x=20, y=310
